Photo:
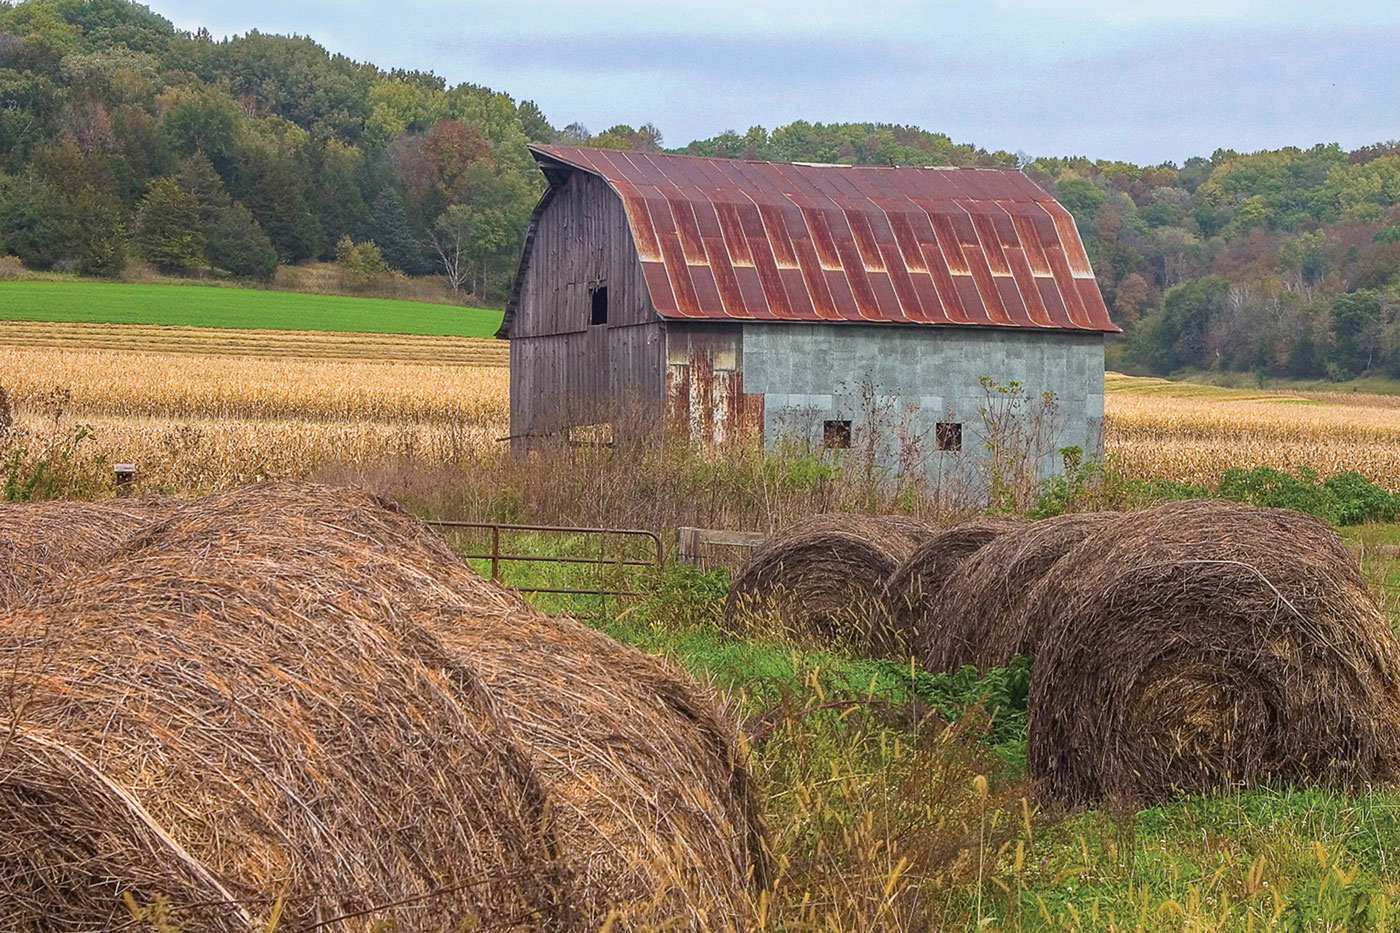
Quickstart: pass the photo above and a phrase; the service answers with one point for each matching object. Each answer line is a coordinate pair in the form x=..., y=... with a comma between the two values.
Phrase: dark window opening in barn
x=948, y=435
x=836, y=434
x=600, y=304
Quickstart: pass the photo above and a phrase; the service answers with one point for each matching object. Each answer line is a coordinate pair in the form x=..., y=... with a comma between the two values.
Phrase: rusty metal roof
x=724, y=239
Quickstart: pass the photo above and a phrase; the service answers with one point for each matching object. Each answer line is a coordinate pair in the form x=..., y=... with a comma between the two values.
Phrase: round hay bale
x=1205, y=645
x=648, y=799
x=910, y=599
x=43, y=542
x=649, y=793
x=819, y=581
x=982, y=621
x=236, y=709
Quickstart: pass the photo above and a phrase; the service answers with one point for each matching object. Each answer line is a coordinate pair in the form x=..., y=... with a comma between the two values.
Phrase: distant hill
x=122, y=137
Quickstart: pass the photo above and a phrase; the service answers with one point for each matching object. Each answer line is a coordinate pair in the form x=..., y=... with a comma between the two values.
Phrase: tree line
x=123, y=137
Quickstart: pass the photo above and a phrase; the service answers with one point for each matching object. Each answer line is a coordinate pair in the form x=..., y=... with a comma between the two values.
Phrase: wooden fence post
x=691, y=542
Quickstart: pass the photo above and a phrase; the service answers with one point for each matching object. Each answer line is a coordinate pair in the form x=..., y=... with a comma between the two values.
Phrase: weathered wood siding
x=565, y=371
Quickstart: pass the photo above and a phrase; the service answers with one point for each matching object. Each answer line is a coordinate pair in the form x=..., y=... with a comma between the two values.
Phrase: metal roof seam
x=768, y=242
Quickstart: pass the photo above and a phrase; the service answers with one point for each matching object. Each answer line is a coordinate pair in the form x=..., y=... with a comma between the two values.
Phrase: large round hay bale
x=645, y=790
x=820, y=581
x=911, y=597
x=234, y=711
x=648, y=790
x=1205, y=645
x=42, y=542
x=980, y=618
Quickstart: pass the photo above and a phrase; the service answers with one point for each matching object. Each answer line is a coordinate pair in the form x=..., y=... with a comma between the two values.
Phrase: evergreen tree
x=236, y=244
x=394, y=232
x=170, y=232
x=101, y=236
x=198, y=176
x=269, y=185
x=37, y=223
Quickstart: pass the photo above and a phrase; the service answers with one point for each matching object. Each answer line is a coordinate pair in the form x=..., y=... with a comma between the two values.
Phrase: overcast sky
x=1143, y=81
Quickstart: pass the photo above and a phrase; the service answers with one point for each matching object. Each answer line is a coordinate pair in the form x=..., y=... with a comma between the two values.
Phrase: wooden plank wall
x=565, y=371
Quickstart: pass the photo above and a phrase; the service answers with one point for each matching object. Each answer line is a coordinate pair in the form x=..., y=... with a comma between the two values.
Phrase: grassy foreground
x=241, y=308
x=854, y=755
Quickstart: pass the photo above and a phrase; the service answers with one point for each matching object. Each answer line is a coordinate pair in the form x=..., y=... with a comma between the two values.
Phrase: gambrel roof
x=733, y=240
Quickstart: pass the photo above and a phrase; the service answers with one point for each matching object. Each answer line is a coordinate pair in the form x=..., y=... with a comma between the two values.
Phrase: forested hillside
x=122, y=138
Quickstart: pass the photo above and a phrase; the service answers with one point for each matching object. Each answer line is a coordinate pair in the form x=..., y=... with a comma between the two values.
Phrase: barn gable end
x=566, y=370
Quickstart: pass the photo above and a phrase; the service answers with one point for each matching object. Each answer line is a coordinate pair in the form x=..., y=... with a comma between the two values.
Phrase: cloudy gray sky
x=1143, y=81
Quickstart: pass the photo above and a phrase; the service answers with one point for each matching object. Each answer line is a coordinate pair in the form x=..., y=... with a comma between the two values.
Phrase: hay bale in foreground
x=226, y=713
x=652, y=803
x=649, y=795
x=982, y=619
x=1205, y=645
x=637, y=798
x=911, y=597
x=820, y=581
x=42, y=542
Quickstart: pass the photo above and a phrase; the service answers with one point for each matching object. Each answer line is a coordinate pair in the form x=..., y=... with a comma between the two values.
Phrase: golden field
x=1162, y=430
x=199, y=408
x=124, y=383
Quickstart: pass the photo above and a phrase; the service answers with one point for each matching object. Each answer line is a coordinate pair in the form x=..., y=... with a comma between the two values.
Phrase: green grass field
x=1276, y=857
x=243, y=308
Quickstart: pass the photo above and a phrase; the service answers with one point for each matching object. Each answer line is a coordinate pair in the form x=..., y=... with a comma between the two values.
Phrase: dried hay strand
x=41, y=542
x=229, y=712
x=982, y=620
x=910, y=600
x=820, y=581
x=649, y=794
x=1206, y=645
x=651, y=799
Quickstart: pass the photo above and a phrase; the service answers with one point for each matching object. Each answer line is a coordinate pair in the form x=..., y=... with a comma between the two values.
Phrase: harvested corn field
x=1157, y=429
x=274, y=344
x=196, y=409
x=124, y=384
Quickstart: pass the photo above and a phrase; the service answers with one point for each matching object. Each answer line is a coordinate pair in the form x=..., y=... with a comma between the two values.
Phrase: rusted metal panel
x=705, y=396
x=722, y=239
